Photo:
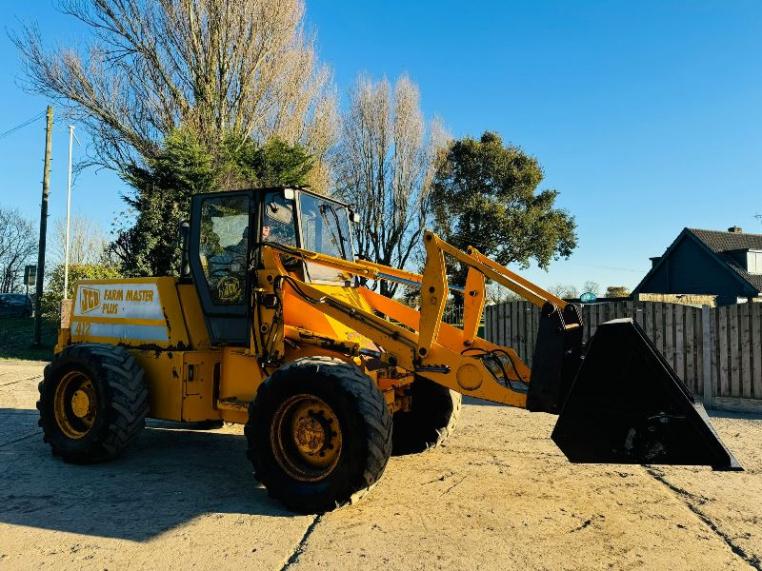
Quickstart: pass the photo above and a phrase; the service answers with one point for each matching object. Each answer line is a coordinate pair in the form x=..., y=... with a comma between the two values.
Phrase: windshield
x=325, y=229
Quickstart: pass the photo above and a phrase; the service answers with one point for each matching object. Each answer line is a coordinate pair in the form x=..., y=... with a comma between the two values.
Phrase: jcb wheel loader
x=270, y=325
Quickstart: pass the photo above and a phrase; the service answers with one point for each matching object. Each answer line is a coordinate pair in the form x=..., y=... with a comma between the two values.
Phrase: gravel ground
x=497, y=495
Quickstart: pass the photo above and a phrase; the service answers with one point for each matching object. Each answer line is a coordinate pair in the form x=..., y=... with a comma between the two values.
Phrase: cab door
x=222, y=227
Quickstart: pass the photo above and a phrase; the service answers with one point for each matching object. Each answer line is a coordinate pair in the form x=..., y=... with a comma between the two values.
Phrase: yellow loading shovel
x=619, y=401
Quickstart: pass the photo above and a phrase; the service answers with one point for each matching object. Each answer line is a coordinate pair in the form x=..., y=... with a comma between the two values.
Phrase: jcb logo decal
x=89, y=299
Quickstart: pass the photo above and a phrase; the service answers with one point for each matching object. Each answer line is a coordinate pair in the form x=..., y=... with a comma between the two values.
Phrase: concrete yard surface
x=497, y=495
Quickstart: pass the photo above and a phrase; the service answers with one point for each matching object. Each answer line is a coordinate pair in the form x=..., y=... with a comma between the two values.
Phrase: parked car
x=15, y=305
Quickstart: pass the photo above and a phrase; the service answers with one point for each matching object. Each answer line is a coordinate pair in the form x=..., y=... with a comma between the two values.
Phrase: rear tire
x=434, y=414
x=319, y=434
x=93, y=402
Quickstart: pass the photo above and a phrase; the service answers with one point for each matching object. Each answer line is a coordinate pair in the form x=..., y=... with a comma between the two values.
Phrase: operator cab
x=226, y=234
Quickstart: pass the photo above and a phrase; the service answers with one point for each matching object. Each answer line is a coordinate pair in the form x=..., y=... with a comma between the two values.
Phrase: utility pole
x=68, y=217
x=43, y=227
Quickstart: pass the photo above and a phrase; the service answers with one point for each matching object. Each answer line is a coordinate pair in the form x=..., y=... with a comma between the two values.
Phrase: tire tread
x=126, y=388
x=370, y=404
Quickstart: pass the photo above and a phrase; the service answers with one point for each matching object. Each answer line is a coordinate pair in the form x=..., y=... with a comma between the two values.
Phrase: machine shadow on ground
x=165, y=479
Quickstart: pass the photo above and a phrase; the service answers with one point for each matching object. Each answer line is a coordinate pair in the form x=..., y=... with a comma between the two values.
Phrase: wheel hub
x=75, y=404
x=306, y=437
x=309, y=435
x=80, y=403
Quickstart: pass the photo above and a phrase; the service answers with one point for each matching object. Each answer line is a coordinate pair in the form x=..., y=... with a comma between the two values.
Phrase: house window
x=754, y=262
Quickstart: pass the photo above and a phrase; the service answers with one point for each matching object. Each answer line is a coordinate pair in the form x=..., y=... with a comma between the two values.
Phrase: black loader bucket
x=626, y=405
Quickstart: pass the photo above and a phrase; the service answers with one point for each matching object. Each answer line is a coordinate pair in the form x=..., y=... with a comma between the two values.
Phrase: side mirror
x=354, y=217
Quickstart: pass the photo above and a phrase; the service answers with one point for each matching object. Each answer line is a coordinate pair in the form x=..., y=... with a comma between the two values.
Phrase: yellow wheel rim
x=306, y=438
x=74, y=404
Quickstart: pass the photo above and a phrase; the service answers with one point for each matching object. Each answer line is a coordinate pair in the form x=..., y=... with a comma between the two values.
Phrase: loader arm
x=417, y=341
x=624, y=404
x=427, y=346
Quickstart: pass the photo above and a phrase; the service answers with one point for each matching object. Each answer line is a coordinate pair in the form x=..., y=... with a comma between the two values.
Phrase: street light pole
x=68, y=217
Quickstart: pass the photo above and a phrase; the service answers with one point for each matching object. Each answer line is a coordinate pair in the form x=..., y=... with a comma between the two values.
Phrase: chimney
x=735, y=230
x=655, y=260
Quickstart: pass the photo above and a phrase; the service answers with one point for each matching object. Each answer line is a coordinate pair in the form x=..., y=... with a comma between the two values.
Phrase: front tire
x=93, y=402
x=319, y=434
x=432, y=418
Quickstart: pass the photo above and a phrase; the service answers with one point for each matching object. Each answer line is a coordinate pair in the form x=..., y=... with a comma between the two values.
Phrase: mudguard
x=627, y=405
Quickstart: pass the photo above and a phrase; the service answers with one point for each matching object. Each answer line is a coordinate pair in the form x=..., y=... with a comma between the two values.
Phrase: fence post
x=706, y=334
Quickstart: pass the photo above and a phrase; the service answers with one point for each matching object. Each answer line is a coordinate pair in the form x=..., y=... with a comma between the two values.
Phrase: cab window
x=224, y=247
x=325, y=229
x=278, y=220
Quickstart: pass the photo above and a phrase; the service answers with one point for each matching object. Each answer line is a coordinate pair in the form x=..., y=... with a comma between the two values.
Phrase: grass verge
x=17, y=336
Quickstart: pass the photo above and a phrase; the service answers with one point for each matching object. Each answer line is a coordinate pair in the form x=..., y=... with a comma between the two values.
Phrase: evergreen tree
x=486, y=195
x=160, y=200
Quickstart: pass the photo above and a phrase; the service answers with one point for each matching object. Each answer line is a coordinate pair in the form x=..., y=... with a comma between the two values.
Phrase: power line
x=22, y=125
x=612, y=268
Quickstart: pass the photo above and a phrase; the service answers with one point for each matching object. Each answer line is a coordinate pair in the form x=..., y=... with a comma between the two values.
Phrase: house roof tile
x=724, y=243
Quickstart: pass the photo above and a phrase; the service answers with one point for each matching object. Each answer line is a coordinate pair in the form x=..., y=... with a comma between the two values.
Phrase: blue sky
x=646, y=116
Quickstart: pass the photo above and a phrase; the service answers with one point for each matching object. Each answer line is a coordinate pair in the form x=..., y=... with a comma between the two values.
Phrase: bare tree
x=564, y=291
x=384, y=165
x=592, y=287
x=87, y=242
x=245, y=67
x=17, y=245
x=495, y=293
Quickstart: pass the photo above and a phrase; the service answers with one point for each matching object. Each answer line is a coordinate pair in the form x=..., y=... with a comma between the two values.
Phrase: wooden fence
x=716, y=351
